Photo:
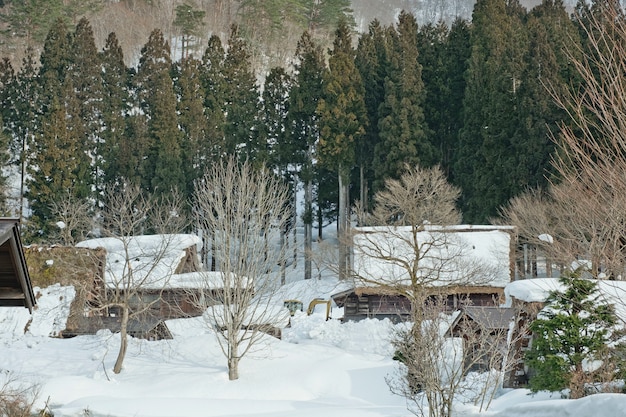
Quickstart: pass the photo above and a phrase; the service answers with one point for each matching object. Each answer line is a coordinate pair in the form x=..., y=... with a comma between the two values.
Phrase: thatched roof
x=67, y=265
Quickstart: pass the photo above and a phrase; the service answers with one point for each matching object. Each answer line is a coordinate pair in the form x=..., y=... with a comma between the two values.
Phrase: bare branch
x=244, y=211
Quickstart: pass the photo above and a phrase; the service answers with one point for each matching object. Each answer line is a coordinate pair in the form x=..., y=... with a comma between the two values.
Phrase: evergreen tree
x=25, y=117
x=59, y=165
x=575, y=327
x=275, y=124
x=551, y=33
x=162, y=170
x=7, y=85
x=119, y=159
x=455, y=59
x=443, y=53
x=372, y=61
x=343, y=119
x=212, y=78
x=485, y=161
x=326, y=15
x=300, y=145
x=192, y=119
x=404, y=135
x=242, y=101
x=4, y=161
x=190, y=23
x=85, y=72
x=32, y=19
x=55, y=60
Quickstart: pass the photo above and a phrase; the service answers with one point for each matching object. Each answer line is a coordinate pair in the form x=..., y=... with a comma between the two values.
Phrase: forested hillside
x=80, y=116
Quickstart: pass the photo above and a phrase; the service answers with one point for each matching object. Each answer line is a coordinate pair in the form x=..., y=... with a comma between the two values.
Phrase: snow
x=153, y=259
x=538, y=290
x=457, y=255
x=319, y=368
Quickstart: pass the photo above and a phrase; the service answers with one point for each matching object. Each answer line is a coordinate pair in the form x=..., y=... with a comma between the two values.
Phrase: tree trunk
x=294, y=226
x=283, y=278
x=308, y=226
x=363, y=190
x=123, y=341
x=342, y=224
x=233, y=362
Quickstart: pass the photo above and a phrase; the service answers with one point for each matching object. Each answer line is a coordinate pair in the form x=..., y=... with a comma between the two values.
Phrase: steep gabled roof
x=488, y=318
x=15, y=287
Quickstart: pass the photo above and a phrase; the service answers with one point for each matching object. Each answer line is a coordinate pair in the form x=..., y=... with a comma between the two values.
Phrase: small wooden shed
x=15, y=286
x=484, y=331
x=374, y=302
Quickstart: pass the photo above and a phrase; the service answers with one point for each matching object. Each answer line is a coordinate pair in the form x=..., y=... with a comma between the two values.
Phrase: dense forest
x=472, y=97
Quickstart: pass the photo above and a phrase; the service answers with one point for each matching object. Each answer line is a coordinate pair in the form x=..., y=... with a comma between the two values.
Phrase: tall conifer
x=192, y=119
x=485, y=157
x=119, y=160
x=242, y=100
x=372, y=61
x=162, y=170
x=304, y=126
x=343, y=118
x=212, y=78
x=403, y=132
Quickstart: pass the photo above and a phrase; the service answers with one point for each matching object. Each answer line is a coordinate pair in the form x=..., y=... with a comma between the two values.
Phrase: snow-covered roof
x=208, y=280
x=538, y=290
x=452, y=255
x=150, y=260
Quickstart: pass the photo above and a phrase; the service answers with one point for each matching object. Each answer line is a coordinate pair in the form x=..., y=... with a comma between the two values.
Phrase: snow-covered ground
x=319, y=368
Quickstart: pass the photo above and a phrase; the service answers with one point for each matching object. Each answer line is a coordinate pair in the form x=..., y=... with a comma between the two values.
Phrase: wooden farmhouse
x=15, y=286
x=468, y=265
x=156, y=268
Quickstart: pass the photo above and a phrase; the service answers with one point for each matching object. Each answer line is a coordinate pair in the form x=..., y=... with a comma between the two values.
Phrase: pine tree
x=190, y=23
x=4, y=161
x=372, y=61
x=25, y=117
x=55, y=60
x=59, y=164
x=575, y=327
x=7, y=84
x=242, y=101
x=404, y=135
x=455, y=59
x=275, y=124
x=32, y=19
x=443, y=53
x=85, y=72
x=304, y=127
x=343, y=118
x=162, y=171
x=192, y=119
x=119, y=161
x=551, y=33
x=212, y=78
x=326, y=15
x=485, y=161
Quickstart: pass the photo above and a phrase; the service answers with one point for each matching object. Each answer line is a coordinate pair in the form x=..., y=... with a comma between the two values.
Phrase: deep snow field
x=319, y=368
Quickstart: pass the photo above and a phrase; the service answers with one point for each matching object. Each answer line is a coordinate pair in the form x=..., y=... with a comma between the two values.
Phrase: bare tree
x=137, y=263
x=244, y=210
x=414, y=250
x=438, y=357
x=591, y=161
x=17, y=399
x=74, y=219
